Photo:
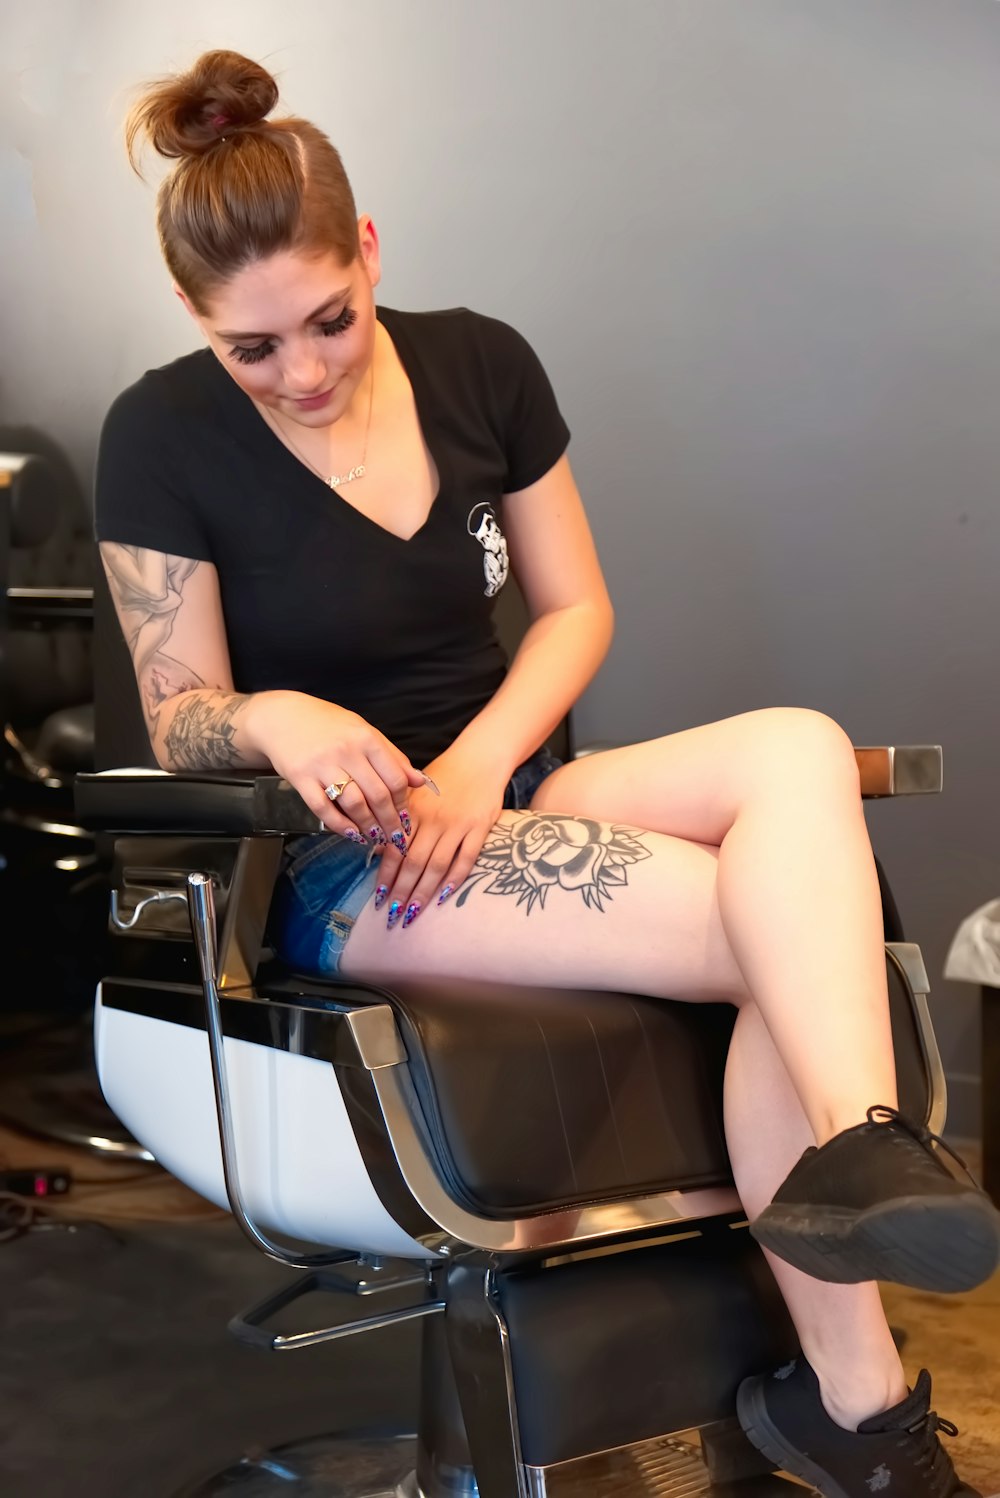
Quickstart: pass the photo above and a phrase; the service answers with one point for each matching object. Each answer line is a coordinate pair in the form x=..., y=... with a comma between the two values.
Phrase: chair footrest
x=384, y=1277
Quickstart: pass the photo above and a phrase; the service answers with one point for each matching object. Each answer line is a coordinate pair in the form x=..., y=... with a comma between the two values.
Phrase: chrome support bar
x=250, y=1326
x=296, y=1341
x=492, y=1299
x=201, y=906
x=908, y=958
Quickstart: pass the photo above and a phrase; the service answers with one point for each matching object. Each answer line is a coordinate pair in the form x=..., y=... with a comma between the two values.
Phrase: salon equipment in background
x=53, y=878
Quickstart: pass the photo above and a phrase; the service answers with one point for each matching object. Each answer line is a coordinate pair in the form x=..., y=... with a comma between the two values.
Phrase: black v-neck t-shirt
x=318, y=598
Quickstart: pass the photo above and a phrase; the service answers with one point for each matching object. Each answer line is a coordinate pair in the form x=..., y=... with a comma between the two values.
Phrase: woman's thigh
x=570, y=902
x=693, y=784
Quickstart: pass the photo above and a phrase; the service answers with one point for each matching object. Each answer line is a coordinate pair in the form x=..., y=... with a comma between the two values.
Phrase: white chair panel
x=300, y=1168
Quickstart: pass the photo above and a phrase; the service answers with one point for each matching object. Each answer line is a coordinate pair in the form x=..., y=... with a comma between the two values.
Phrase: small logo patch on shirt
x=880, y=1479
x=484, y=525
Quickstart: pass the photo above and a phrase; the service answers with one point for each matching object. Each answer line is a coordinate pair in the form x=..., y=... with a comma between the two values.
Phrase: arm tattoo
x=147, y=588
x=201, y=735
x=541, y=851
x=163, y=678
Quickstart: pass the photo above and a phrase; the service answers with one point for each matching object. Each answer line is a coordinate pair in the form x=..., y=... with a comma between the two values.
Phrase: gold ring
x=334, y=791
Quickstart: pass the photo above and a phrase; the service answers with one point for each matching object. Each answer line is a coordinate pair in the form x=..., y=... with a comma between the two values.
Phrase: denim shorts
x=323, y=884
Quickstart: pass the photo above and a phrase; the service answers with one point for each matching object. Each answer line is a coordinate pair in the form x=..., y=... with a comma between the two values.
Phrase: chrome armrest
x=885, y=769
x=900, y=770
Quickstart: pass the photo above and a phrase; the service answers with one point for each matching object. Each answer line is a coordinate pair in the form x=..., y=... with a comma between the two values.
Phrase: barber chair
x=539, y=1175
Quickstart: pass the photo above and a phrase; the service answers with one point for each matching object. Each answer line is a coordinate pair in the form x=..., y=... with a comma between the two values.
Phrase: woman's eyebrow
x=338, y=296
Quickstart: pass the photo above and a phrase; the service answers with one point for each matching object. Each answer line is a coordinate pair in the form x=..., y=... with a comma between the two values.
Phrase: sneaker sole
x=945, y=1246
x=760, y=1430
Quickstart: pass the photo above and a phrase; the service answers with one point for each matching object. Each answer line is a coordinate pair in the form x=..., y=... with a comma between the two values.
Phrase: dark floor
x=118, y=1377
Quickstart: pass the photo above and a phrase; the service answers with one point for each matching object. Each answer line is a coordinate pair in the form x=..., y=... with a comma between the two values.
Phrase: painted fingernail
x=356, y=837
x=380, y=895
x=376, y=834
x=393, y=917
x=404, y=817
x=398, y=841
x=430, y=785
x=448, y=890
x=412, y=911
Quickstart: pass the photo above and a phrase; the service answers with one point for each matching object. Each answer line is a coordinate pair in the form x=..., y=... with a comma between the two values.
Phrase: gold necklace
x=334, y=480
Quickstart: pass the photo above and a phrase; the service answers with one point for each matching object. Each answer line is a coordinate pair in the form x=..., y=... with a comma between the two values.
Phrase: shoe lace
x=931, y=1454
x=883, y=1114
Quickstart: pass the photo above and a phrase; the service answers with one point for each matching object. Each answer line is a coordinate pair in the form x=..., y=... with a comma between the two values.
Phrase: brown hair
x=244, y=186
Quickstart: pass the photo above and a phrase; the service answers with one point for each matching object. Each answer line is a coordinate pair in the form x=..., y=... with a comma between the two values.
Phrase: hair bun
x=185, y=115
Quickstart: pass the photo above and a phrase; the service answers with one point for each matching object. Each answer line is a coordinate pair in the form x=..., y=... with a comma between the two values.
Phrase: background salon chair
x=538, y=1174
x=53, y=880
x=46, y=692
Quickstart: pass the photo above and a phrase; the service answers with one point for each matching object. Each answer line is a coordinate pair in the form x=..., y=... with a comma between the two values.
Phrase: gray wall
x=757, y=244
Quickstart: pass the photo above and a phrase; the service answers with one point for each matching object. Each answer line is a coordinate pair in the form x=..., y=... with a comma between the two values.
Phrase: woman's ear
x=187, y=303
x=370, y=249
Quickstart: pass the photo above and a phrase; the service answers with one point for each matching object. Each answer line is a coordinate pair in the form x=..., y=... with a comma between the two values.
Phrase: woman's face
x=297, y=332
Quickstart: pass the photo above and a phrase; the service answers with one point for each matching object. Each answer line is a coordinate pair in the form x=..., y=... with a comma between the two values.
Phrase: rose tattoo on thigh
x=541, y=852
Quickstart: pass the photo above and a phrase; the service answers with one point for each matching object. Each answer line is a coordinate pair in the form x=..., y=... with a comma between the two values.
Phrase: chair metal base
x=323, y=1467
x=383, y=1467
x=665, y=1467
x=49, y=1088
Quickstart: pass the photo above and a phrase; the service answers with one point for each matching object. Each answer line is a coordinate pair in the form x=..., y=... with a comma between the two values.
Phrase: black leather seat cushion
x=538, y=1098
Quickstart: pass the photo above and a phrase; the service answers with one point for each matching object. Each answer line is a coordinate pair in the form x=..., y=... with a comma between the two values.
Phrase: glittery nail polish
x=380, y=895
x=404, y=817
x=448, y=890
x=393, y=917
x=353, y=836
x=398, y=841
x=412, y=911
x=376, y=834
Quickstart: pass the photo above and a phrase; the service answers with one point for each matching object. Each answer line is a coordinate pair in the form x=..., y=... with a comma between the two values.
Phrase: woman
x=336, y=493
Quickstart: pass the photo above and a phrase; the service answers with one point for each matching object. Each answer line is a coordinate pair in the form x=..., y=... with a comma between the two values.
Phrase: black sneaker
x=893, y=1455
x=877, y=1202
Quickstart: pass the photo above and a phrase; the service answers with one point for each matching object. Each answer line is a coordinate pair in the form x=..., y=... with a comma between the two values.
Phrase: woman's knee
x=797, y=744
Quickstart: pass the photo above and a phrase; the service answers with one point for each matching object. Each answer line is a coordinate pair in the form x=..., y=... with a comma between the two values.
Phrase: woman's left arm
x=555, y=562
x=554, y=559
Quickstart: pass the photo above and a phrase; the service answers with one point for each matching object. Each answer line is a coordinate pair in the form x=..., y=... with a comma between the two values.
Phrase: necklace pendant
x=338, y=480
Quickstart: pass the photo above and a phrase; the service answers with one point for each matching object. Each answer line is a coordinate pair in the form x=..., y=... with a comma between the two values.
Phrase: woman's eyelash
x=251, y=355
x=338, y=324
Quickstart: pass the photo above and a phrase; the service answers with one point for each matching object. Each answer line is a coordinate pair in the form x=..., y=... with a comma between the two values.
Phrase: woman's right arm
x=170, y=609
x=171, y=615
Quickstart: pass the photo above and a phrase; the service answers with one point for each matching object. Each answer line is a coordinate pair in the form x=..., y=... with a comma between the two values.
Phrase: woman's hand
x=314, y=744
x=448, y=834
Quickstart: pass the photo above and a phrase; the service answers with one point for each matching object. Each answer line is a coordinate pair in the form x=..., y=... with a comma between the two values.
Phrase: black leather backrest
x=120, y=727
